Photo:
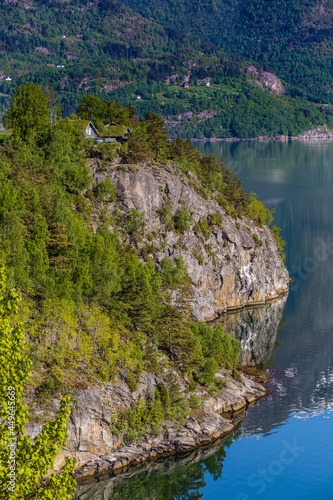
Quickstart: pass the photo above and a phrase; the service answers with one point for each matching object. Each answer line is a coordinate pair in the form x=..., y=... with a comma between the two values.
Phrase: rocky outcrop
x=234, y=265
x=319, y=133
x=97, y=449
x=266, y=78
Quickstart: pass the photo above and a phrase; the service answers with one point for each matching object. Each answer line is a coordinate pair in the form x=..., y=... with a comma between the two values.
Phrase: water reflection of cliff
x=178, y=477
x=257, y=329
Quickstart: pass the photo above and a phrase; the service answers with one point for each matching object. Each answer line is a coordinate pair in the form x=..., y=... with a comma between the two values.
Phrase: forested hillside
x=294, y=38
x=107, y=292
x=143, y=52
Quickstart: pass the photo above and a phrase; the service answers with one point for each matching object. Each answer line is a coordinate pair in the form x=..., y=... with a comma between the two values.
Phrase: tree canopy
x=29, y=113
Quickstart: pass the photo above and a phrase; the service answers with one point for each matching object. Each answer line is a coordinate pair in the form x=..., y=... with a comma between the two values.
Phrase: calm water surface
x=284, y=447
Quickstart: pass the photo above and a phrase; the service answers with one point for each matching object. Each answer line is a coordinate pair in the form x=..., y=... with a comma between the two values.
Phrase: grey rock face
x=229, y=269
x=97, y=449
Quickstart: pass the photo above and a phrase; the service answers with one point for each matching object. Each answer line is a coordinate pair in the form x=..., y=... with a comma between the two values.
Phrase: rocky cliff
x=232, y=264
x=98, y=450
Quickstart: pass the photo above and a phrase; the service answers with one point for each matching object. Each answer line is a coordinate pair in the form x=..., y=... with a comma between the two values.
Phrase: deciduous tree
x=25, y=461
x=29, y=113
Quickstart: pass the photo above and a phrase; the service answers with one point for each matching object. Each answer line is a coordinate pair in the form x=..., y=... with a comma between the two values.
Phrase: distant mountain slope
x=79, y=46
x=294, y=37
x=143, y=51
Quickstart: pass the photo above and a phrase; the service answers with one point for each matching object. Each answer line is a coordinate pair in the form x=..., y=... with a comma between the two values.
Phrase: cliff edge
x=232, y=262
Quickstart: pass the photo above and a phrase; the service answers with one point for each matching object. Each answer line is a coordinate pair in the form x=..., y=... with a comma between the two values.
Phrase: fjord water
x=284, y=446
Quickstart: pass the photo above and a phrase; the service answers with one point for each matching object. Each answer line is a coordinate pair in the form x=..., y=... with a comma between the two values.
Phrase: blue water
x=297, y=180
x=284, y=447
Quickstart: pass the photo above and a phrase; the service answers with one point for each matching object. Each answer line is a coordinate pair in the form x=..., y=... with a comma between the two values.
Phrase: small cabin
x=91, y=132
x=186, y=85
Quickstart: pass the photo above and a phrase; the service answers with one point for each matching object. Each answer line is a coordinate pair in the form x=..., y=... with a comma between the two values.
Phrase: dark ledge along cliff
x=233, y=264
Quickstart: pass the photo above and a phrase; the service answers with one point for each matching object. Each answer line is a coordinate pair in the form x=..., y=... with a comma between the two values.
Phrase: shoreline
x=320, y=137
x=216, y=420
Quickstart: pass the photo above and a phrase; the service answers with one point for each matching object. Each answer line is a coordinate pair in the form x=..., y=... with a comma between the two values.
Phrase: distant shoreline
x=315, y=135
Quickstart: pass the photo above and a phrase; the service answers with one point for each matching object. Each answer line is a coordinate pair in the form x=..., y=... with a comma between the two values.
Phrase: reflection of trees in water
x=290, y=160
x=257, y=329
x=178, y=478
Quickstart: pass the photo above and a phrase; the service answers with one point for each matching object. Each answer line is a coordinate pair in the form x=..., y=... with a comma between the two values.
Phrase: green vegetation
x=91, y=307
x=292, y=38
x=22, y=473
x=140, y=58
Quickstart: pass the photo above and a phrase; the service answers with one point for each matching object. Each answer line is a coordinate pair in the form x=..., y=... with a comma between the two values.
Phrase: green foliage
x=216, y=345
x=165, y=214
x=29, y=112
x=33, y=457
x=105, y=111
x=133, y=422
x=107, y=150
x=194, y=402
x=279, y=241
x=257, y=241
x=258, y=212
x=134, y=223
x=203, y=227
x=174, y=273
x=215, y=220
x=77, y=337
x=106, y=191
x=93, y=307
x=198, y=256
x=138, y=149
x=208, y=371
x=183, y=220
x=132, y=381
x=163, y=395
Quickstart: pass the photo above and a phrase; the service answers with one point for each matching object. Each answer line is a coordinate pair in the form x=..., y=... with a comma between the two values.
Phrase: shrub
x=209, y=370
x=163, y=395
x=194, y=402
x=183, y=220
x=134, y=222
x=132, y=381
x=258, y=243
x=257, y=211
x=216, y=345
x=198, y=256
x=203, y=227
x=215, y=220
x=165, y=214
x=108, y=150
x=106, y=191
